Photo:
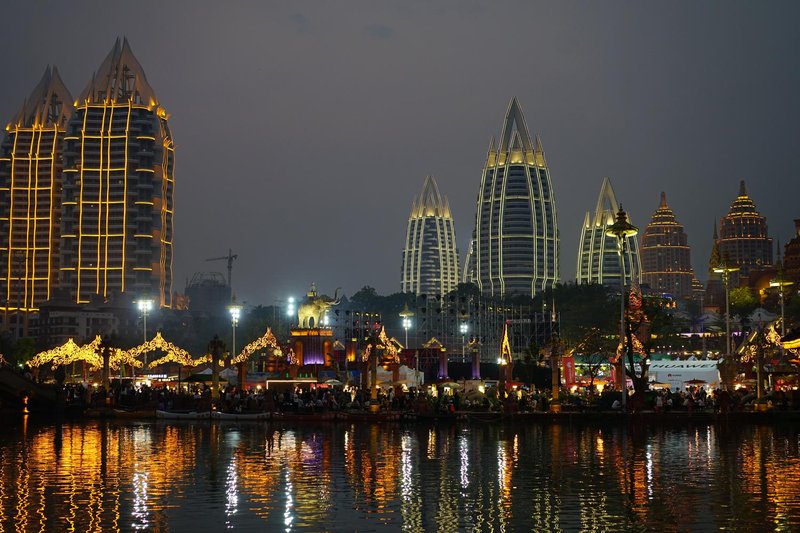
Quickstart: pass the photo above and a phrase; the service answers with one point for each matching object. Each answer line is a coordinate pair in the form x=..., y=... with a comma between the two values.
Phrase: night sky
x=304, y=129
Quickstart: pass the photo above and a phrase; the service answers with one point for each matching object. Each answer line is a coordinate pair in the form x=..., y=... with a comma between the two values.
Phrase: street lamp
x=781, y=282
x=235, y=311
x=622, y=229
x=145, y=305
x=406, y=314
x=725, y=269
x=463, y=328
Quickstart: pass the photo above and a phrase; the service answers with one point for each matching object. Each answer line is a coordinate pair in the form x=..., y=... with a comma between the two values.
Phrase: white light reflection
x=140, y=512
x=649, y=456
x=288, y=517
x=405, y=466
x=463, y=447
x=231, y=493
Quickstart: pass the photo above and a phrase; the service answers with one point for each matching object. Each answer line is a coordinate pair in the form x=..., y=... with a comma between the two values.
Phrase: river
x=203, y=476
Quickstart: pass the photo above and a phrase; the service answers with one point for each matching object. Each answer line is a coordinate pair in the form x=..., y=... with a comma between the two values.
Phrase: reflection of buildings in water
x=294, y=475
x=410, y=492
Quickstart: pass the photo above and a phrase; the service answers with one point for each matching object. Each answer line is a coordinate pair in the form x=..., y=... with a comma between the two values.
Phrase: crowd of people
x=322, y=398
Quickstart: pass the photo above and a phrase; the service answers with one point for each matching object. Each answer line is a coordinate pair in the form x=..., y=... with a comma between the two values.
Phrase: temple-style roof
x=430, y=203
x=664, y=216
x=49, y=104
x=743, y=205
x=120, y=78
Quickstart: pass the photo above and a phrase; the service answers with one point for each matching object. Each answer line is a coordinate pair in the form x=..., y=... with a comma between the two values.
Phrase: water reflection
x=156, y=476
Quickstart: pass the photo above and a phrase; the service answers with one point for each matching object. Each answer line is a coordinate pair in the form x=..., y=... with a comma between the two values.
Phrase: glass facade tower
x=514, y=248
x=598, y=256
x=116, y=232
x=430, y=256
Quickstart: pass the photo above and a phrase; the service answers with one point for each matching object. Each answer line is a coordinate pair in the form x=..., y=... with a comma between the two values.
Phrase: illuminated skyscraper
x=430, y=257
x=117, y=187
x=743, y=239
x=598, y=256
x=30, y=188
x=514, y=248
x=666, y=263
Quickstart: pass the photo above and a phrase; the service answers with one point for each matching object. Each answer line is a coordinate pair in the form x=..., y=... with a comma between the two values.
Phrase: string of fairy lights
x=91, y=353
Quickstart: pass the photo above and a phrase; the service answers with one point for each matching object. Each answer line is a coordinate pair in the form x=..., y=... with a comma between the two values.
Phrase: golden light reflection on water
x=155, y=476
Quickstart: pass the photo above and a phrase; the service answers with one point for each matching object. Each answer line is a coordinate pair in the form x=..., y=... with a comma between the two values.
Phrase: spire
x=715, y=260
x=430, y=201
x=742, y=189
x=538, y=152
x=120, y=78
x=663, y=199
x=49, y=104
x=607, y=205
x=514, y=123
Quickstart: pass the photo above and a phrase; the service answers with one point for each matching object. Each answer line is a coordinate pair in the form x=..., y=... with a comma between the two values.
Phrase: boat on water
x=305, y=417
x=139, y=413
x=219, y=415
x=191, y=415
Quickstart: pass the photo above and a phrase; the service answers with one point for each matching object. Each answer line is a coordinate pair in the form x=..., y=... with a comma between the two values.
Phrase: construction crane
x=229, y=258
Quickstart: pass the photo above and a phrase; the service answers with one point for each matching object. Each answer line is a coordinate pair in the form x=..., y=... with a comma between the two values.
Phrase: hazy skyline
x=304, y=130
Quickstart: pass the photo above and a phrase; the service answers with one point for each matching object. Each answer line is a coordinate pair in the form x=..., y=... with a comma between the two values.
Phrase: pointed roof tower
x=714, y=260
x=120, y=78
x=49, y=104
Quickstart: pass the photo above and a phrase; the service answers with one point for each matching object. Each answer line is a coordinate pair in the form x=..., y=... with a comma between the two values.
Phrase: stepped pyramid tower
x=430, y=256
x=743, y=239
x=666, y=261
x=30, y=198
x=598, y=256
x=119, y=159
x=514, y=248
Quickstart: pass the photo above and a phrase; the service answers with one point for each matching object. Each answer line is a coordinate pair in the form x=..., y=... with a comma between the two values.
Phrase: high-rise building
x=598, y=255
x=514, y=248
x=743, y=239
x=30, y=189
x=430, y=257
x=666, y=262
x=791, y=257
x=117, y=187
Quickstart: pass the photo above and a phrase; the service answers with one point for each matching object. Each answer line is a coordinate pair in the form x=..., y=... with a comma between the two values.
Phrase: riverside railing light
x=726, y=269
x=781, y=282
x=235, y=311
x=622, y=229
x=145, y=305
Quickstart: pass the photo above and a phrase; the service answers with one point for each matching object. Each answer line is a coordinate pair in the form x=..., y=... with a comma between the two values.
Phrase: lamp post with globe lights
x=622, y=229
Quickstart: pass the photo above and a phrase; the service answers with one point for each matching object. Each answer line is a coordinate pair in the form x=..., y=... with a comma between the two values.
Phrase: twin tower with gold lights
x=86, y=191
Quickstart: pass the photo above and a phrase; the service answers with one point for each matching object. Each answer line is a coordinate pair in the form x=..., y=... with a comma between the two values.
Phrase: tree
x=742, y=303
x=596, y=348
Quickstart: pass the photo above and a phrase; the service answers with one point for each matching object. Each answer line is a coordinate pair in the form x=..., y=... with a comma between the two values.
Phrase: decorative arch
x=159, y=343
x=267, y=340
